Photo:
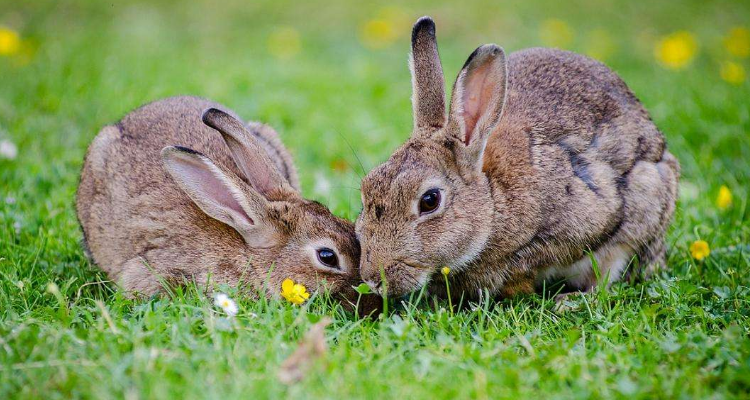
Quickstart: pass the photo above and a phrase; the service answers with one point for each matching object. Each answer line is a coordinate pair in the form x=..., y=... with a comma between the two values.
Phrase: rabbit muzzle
x=396, y=278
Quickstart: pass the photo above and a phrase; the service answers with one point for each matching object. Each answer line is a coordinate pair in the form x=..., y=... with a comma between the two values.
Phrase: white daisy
x=8, y=149
x=224, y=302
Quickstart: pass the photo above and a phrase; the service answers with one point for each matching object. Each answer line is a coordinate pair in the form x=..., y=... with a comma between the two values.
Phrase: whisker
x=346, y=187
x=355, y=156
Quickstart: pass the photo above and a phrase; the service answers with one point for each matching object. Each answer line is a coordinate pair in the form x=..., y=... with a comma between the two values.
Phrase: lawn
x=332, y=78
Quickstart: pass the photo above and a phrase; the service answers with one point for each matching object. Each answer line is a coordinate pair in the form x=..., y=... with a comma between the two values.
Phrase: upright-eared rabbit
x=542, y=161
x=180, y=190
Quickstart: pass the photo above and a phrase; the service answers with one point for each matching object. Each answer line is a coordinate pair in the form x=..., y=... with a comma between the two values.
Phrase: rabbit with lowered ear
x=542, y=158
x=225, y=207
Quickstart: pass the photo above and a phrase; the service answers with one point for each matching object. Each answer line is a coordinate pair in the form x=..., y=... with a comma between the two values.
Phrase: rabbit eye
x=328, y=258
x=429, y=202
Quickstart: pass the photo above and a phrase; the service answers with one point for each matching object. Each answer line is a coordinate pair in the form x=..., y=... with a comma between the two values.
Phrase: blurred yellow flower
x=699, y=250
x=446, y=271
x=377, y=33
x=284, y=43
x=732, y=72
x=599, y=44
x=677, y=50
x=10, y=41
x=398, y=17
x=384, y=28
x=724, y=199
x=556, y=33
x=737, y=42
x=294, y=292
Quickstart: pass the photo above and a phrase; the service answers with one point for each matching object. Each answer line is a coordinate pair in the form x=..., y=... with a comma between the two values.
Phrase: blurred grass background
x=332, y=78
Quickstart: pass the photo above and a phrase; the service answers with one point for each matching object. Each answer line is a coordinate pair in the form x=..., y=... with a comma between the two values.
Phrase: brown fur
x=563, y=160
x=142, y=229
x=429, y=89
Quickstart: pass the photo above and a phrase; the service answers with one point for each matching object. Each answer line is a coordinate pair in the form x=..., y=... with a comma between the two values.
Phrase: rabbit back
x=576, y=142
x=132, y=214
x=566, y=99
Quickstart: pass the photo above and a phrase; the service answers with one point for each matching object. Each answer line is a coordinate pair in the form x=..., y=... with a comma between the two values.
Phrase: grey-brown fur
x=428, y=98
x=269, y=139
x=572, y=164
x=143, y=229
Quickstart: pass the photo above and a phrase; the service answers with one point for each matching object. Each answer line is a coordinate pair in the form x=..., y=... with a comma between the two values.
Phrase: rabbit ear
x=247, y=153
x=478, y=98
x=220, y=194
x=269, y=139
x=428, y=97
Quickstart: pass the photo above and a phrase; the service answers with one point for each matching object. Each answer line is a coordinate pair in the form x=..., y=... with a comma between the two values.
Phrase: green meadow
x=332, y=78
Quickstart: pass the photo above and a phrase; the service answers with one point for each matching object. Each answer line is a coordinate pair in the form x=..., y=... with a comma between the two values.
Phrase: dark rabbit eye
x=328, y=257
x=430, y=201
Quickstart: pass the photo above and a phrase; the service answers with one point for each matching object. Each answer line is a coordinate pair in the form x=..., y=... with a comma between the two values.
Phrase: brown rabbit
x=225, y=208
x=540, y=160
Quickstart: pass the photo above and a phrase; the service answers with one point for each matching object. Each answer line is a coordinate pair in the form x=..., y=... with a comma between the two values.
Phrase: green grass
x=341, y=108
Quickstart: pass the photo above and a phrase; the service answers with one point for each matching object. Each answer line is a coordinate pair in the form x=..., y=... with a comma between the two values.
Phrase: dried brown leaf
x=311, y=348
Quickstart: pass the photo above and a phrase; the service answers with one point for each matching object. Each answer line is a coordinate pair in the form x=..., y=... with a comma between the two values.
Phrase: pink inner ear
x=208, y=187
x=477, y=94
x=223, y=196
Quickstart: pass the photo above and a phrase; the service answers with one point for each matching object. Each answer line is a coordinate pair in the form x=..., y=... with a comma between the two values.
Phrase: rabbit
x=544, y=160
x=180, y=190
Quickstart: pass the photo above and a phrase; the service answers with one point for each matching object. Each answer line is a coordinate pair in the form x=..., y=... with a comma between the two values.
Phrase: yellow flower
x=556, y=33
x=10, y=41
x=724, y=199
x=699, y=250
x=737, y=42
x=398, y=17
x=677, y=50
x=446, y=271
x=732, y=72
x=284, y=43
x=294, y=292
x=385, y=27
x=377, y=33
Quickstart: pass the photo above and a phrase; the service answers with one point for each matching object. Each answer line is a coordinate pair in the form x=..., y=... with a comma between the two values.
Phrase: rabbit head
x=284, y=235
x=430, y=204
